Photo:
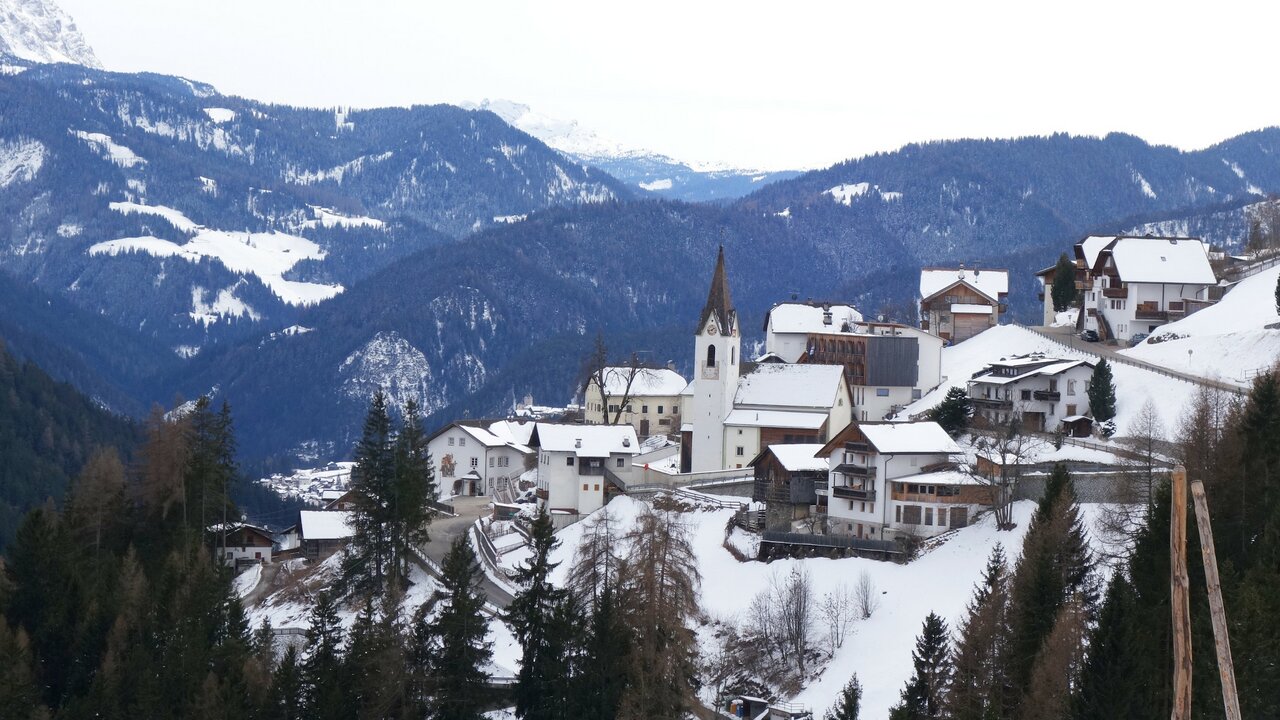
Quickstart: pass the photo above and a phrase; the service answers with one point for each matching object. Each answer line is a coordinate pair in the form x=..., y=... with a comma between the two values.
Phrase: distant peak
x=39, y=31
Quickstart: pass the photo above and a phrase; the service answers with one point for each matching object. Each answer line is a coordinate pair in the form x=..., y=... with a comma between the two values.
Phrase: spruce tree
x=1102, y=392
x=606, y=651
x=847, y=702
x=530, y=616
x=325, y=689
x=1063, y=291
x=924, y=694
x=412, y=491
x=369, y=552
x=977, y=690
x=1278, y=294
x=953, y=412
x=459, y=652
x=287, y=700
x=1109, y=682
x=19, y=695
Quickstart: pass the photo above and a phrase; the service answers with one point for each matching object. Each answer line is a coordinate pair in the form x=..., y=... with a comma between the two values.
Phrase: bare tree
x=838, y=608
x=1264, y=225
x=596, y=562
x=1122, y=519
x=781, y=619
x=612, y=384
x=864, y=593
x=1008, y=450
x=797, y=614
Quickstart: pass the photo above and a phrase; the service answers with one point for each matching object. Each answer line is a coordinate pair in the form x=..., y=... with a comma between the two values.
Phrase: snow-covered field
x=1228, y=341
x=1134, y=386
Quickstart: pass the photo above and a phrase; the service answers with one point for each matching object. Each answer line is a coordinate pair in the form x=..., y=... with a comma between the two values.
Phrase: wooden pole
x=1180, y=600
x=1217, y=611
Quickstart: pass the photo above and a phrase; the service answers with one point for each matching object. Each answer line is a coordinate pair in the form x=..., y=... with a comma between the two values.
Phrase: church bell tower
x=717, y=347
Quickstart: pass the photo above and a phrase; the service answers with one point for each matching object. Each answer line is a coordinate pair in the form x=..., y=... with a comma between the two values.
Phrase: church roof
x=789, y=386
x=718, y=301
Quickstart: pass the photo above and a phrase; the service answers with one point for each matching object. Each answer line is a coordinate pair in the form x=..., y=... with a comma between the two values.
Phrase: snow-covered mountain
x=647, y=170
x=39, y=31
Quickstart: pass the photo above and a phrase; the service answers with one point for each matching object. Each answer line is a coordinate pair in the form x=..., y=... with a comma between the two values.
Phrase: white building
x=1043, y=390
x=956, y=304
x=1136, y=284
x=893, y=479
x=887, y=365
x=471, y=459
x=652, y=396
x=243, y=545
x=577, y=463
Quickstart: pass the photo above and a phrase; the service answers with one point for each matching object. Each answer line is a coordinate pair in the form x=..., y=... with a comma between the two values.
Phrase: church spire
x=719, y=303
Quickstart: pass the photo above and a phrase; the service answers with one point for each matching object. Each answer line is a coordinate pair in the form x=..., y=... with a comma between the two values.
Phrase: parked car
x=1137, y=339
x=1089, y=336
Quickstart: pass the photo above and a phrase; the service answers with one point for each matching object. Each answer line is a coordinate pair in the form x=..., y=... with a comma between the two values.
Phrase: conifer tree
x=19, y=695
x=287, y=699
x=1278, y=295
x=372, y=480
x=1109, y=681
x=1056, y=673
x=953, y=412
x=459, y=651
x=530, y=617
x=1063, y=291
x=978, y=686
x=606, y=651
x=926, y=690
x=847, y=702
x=1102, y=392
x=324, y=685
x=412, y=491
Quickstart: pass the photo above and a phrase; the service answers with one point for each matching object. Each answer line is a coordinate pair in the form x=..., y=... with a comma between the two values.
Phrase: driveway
x=445, y=529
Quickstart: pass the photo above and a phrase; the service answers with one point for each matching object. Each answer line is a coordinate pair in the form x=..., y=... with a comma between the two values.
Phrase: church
x=734, y=409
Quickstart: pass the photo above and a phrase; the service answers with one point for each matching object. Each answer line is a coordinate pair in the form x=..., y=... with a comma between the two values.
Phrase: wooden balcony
x=994, y=403
x=846, y=492
x=1115, y=292
x=860, y=471
x=1148, y=314
x=1050, y=395
x=859, y=447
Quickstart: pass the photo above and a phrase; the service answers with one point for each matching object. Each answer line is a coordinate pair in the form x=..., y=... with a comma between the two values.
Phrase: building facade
x=580, y=465
x=1040, y=391
x=956, y=304
x=473, y=459
x=647, y=399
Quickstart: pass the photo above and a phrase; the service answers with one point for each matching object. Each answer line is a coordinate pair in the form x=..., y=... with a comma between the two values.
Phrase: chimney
x=961, y=273
x=671, y=365
x=577, y=443
x=626, y=442
x=826, y=314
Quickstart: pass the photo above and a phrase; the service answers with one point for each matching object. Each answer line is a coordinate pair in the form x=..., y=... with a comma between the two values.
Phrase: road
x=1067, y=336
x=445, y=529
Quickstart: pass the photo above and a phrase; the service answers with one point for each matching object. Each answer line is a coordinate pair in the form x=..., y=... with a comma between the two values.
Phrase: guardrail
x=848, y=542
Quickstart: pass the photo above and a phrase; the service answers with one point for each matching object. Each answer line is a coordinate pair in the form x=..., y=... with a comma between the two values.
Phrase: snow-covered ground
x=310, y=484
x=1228, y=341
x=1134, y=386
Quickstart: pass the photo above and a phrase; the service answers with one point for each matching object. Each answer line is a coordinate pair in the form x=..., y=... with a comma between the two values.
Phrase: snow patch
x=508, y=219
x=663, y=184
x=336, y=174
x=70, y=230
x=174, y=217
x=108, y=148
x=845, y=194
x=220, y=115
x=324, y=217
x=1143, y=185
x=40, y=31
x=224, y=304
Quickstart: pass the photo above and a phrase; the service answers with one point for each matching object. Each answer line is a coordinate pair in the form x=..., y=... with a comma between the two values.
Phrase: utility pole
x=1180, y=600
x=1217, y=611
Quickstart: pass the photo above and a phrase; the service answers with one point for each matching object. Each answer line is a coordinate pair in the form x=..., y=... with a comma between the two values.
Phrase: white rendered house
x=652, y=395
x=476, y=460
x=577, y=464
x=1042, y=391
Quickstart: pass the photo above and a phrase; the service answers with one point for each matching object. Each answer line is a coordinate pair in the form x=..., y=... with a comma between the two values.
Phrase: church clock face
x=712, y=330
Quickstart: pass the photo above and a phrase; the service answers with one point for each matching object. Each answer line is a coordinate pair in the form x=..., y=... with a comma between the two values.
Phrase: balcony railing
x=1146, y=314
x=857, y=447
x=1112, y=292
x=996, y=403
x=1050, y=395
x=846, y=492
x=853, y=470
x=584, y=469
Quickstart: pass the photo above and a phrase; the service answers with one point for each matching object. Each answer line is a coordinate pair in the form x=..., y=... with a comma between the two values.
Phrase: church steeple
x=719, y=304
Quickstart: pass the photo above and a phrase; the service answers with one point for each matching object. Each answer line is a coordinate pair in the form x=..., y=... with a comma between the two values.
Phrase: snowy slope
x=1134, y=386
x=39, y=31
x=1229, y=340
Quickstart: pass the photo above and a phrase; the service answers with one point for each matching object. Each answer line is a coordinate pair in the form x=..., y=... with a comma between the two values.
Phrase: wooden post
x=1222, y=643
x=1180, y=600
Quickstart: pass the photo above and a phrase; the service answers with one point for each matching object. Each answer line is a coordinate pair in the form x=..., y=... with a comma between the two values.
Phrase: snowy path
x=445, y=529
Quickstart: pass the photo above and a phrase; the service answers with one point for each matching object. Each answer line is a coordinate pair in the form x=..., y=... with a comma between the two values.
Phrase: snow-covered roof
x=490, y=440
x=1162, y=260
x=645, y=382
x=942, y=477
x=798, y=317
x=332, y=494
x=776, y=419
x=1093, y=245
x=908, y=438
x=789, y=386
x=325, y=524
x=587, y=440
x=966, y=309
x=800, y=458
x=512, y=431
x=1049, y=366
x=992, y=283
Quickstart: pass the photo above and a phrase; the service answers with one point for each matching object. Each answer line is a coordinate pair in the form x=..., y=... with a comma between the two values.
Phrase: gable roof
x=802, y=457
x=803, y=317
x=647, y=382
x=719, y=303
x=789, y=386
x=989, y=283
x=1038, y=364
x=586, y=440
x=896, y=438
x=1088, y=248
x=325, y=524
x=1161, y=260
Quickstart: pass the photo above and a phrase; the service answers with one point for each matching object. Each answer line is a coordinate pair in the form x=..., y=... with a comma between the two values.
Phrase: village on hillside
x=848, y=437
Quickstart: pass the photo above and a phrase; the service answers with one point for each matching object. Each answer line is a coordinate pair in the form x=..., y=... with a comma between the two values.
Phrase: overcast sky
x=755, y=84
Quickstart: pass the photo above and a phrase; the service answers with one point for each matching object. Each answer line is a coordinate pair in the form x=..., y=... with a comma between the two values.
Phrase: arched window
x=711, y=356
x=733, y=356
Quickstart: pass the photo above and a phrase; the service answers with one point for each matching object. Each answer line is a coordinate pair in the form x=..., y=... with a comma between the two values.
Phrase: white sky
x=755, y=84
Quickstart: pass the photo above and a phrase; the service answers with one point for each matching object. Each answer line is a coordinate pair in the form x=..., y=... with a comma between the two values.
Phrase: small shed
x=322, y=532
x=1080, y=426
x=787, y=478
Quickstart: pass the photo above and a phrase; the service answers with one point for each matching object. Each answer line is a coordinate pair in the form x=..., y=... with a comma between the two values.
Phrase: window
x=864, y=506
x=675, y=409
x=733, y=356
x=613, y=408
x=740, y=451
x=619, y=462
x=711, y=356
x=585, y=486
x=942, y=517
x=928, y=516
x=462, y=441
x=1071, y=410
x=644, y=409
x=1071, y=387
x=492, y=462
x=450, y=442
x=597, y=487
x=660, y=410
x=882, y=392
x=897, y=513
x=916, y=394
x=839, y=402
x=1026, y=394
x=569, y=461
x=475, y=463
x=911, y=514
